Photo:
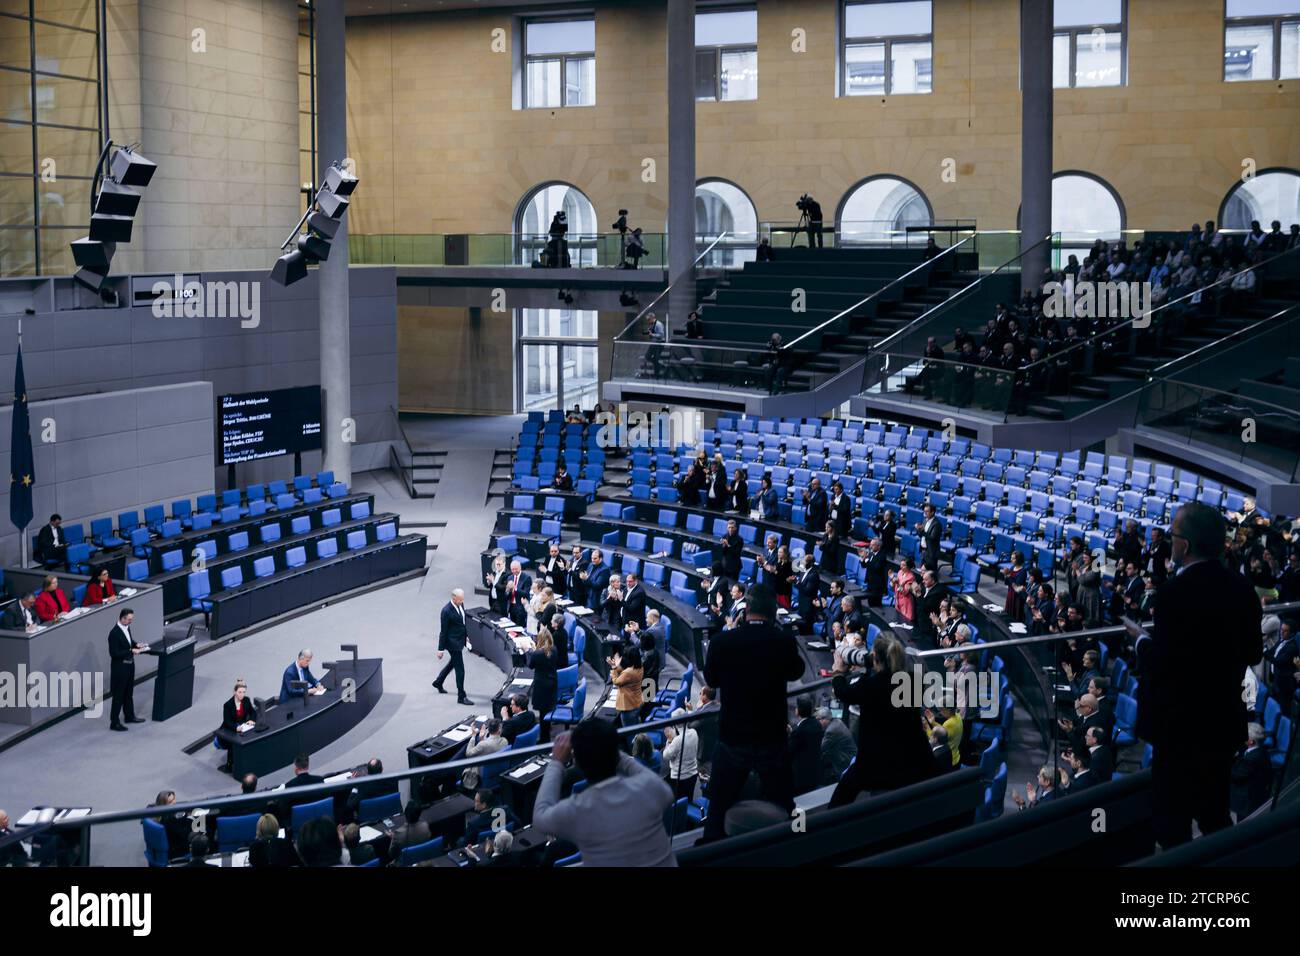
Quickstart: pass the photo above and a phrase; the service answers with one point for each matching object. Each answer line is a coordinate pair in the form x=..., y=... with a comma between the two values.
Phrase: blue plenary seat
x=295, y=557
x=137, y=570
x=301, y=524
x=386, y=531
x=263, y=567
x=238, y=541
x=327, y=548
x=356, y=540
x=269, y=533
x=171, y=560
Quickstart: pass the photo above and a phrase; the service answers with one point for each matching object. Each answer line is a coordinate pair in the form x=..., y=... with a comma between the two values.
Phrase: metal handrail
x=1161, y=371
x=640, y=315
x=883, y=344
x=853, y=308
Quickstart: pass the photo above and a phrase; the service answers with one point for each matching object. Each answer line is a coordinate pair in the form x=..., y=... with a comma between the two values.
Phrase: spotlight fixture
x=627, y=299
x=115, y=199
x=322, y=219
x=565, y=297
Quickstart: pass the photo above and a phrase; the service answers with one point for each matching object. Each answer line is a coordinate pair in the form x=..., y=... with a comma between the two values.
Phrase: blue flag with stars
x=22, y=469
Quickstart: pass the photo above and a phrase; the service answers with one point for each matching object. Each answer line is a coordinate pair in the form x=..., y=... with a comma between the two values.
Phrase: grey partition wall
x=242, y=333
x=101, y=454
x=77, y=647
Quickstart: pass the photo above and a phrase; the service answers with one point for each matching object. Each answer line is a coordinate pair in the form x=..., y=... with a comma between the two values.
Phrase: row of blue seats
x=199, y=583
x=266, y=534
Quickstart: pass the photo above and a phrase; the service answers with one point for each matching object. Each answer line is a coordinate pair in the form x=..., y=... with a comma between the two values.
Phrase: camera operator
x=557, y=249
x=633, y=250
x=813, y=210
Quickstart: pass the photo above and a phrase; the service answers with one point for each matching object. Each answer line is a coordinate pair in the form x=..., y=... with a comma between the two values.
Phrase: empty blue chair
x=199, y=588
x=310, y=811
x=79, y=558
x=573, y=711
x=360, y=509
x=126, y=521
x=155, y=843
x=232, y=577
x=258, y=508
x=311, y=496
x=421, y=852
x=171, y=560
x=263, y=567
x=356, y=540
x=101, y=532
x=277, y=488
x=182, y=510
x=324, y=479
x=201, y=522
x=377, y=808
x=269, y=533
x=78, y=595
x=386, y=531
x=231, y=497
x=285, y=501
x=528, y=738
x=332, y=516
x=301, y=483
x=327, y=548
x=301, y=524
x=256, y=492
x=236, y=832
x=337, y=490
x=139, y=538
x=295, y=557
x=137, y=570
x=154, y=516
x=238, y=541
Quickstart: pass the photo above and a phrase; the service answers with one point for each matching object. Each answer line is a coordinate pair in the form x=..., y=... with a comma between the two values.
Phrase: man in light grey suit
x=838, y=746
x=618, y=819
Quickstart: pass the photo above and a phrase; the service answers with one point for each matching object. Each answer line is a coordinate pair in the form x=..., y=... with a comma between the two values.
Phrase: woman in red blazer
x=100, y=590
x=51, y=602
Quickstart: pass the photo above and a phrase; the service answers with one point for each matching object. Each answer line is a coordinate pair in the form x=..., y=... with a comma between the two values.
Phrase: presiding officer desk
x=307, y=725
x=315, y=582
x=75, y=648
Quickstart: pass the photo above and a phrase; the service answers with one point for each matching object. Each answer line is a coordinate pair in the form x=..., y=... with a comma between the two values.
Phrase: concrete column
x=681, y=161
x=1035, y=137
x=335, y=344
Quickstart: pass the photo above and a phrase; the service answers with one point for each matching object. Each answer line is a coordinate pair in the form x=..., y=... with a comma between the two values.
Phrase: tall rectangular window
x=726, y=55
x=556, y=358
x=1089, y=43
x=1261, y=40
x=559, y=63
x=887, y=47
x=51, y=131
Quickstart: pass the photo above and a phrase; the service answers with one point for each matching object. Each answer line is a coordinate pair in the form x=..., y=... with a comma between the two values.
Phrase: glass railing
x=854, y=233
x=914, y=379
x=577, y=251
x=1240, y=427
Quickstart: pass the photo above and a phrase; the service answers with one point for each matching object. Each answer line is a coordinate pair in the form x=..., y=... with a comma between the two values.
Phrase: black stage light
x=117, y=200
x=320, y=223
x=627, y=299
x=129, y=168
x=339, y=181
x=90, y=278
x=92, y=254
x=313, y=247
x=104, y=228
x=289, y=268
x=565, y=297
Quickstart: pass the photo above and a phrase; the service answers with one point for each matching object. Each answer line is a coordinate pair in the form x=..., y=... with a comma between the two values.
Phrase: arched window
x=1269, y=194
x=1084, y=209
x=722, y=207
x=533, y=223
x=880, y=207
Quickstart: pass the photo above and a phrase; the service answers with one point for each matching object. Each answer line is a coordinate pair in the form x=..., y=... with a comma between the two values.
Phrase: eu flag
x=22, y=469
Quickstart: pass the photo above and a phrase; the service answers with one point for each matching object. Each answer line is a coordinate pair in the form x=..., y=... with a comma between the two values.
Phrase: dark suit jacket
x=523, y=590
x=554, y=577
x=925, y=605
x=1103, y=763
x=751, y=665
x=452, y=634
x=275, y=852
x=287, y=692
x=519, y=723
x=634, y=605
x=893, y=750
x=805, y=747
x=807, y=585
x=732, y=547
x=815, y=516
x=1252, y=781
x=930, y=538
x=229, y=721
x=119, y=648
x=842, y=515
x=597, y=580
x=13, y=617
x=45, y=549
x=1208, y=615
x=303, y=780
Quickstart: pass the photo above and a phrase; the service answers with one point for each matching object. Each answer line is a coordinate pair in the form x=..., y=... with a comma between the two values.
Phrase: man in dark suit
x=368, y=790
x=940, y=751
x=1208, y=615
x=838, y=746
x=932, y=596
x=805, y=746
x=1082, y=775
x=519, y=587
x=751, y=666
x=1101, y=758
x=52, y=544
x=122, y=649
x=19, y=615
x=597, y=578
x=732, y=546
x=453, y=640
x=1281, y=658
x=1155, y=557
x=931, y=531
x=817, y=507
x=841, y=510
x=13, y=854
x=1252, y=775
x=634, y=602
x=806, y=585
x=553, y=571
x=876, y=566
x=302, y=775
x=299, y=670
x=517, y=718
x=576, y=584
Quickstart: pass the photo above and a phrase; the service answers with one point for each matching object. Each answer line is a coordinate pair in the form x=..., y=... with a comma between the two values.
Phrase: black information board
x=266, y=424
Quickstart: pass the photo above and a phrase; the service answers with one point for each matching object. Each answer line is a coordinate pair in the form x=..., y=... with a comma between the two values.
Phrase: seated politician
x=51, y=603
x=238, y=716
x=100, y=590
x=299, y=670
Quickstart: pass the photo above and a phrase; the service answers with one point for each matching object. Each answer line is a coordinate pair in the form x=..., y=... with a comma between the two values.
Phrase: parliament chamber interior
x=506, y=434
